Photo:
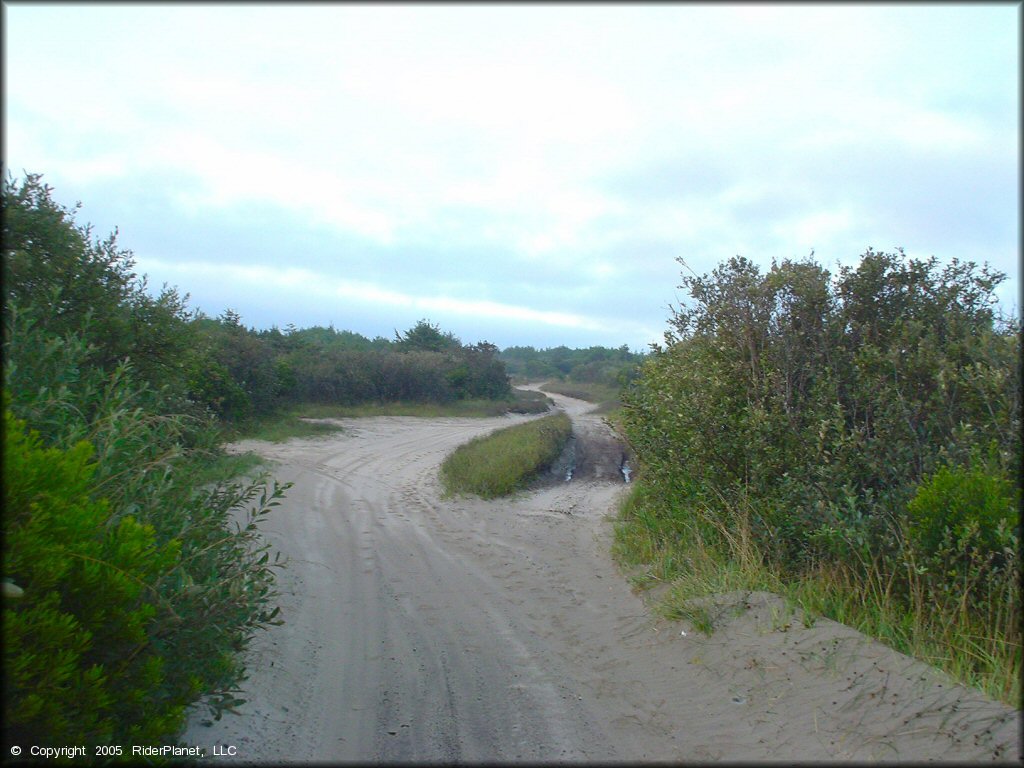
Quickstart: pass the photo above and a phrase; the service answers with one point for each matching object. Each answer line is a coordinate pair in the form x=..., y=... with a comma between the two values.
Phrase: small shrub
x=972, y=508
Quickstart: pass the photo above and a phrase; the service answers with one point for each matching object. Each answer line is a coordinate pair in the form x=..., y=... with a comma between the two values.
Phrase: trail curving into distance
x=419, y=629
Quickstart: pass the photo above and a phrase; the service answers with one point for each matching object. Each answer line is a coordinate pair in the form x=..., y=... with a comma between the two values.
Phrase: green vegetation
x=295, y=420
x=78, y=635
x=140, y=569
x=519, y=401
x=228, y=466
x=279, y=427
x=503, y=461
x=241, y=374
x=157, y=589
x=590, y=391
x=137, y=554
x=853, y=443
x=596, y=374
x=529, y=401
x=614, y=368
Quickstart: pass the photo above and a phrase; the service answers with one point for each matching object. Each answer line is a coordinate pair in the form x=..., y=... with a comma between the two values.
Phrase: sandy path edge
x=420, y=630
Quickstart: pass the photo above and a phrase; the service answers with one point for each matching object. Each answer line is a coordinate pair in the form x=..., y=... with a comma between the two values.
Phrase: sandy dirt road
x=419, y=629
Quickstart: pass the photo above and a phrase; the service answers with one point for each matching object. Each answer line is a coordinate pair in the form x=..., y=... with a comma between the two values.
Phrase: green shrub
x=88, y=287
x=79, y=666
x=148, y=462
x=843, y=415
x=144, y=575
x=827, y=401
x=971, y=509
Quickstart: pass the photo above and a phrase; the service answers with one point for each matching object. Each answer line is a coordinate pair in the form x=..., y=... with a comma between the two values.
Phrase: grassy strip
x=529, y=401
x=289, y=423
x=479, y=408
x=607, y=398
x=695, y=552
x=226, y=467
x=278, y=427
x=501, y=462
x=581, y=390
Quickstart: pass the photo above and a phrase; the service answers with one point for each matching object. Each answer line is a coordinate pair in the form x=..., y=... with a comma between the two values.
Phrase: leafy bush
x=88, y=286
x=844, y=415
x=79, y=665
x=970, y=510
x=194, y=611
x=803, y=393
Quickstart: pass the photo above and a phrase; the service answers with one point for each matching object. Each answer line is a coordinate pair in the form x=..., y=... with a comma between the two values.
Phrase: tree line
x=240, y=372
x=610, y=367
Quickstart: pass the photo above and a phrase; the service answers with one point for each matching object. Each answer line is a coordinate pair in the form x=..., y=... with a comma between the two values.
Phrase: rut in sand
x=420, y=629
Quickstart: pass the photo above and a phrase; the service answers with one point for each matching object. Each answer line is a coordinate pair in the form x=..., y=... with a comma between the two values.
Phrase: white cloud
x=309, y=284
x=816, y=229
x=493, y=131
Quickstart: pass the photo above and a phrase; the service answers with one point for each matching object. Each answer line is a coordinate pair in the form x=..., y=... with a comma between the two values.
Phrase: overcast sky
x=522, y=174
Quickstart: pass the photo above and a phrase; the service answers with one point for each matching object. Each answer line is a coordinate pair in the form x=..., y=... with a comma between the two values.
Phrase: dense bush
x=843, y=416
x=88, y=286
x=78, y=663
x=805, y=393
x=139, y=588
x=422, y=365
x=205, y=584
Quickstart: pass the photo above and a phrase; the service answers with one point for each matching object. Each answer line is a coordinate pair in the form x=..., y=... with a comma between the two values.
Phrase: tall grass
x=503, y=461
x=686, y=551
x=689, y=553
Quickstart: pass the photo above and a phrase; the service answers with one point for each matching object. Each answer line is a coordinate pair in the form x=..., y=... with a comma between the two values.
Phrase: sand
x=420, y=629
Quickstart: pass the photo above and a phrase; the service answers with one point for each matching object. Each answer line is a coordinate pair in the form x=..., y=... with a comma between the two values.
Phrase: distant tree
x=601, y=365
x=482, y=374
x=427, y=337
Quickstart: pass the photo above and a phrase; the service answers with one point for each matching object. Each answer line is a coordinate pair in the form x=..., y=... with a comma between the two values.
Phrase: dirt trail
x=422, y=630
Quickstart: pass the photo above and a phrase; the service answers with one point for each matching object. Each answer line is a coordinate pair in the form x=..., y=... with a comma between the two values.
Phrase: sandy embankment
x=421, y=629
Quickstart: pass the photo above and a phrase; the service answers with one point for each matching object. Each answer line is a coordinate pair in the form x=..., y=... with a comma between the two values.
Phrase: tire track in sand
x=421, y=629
